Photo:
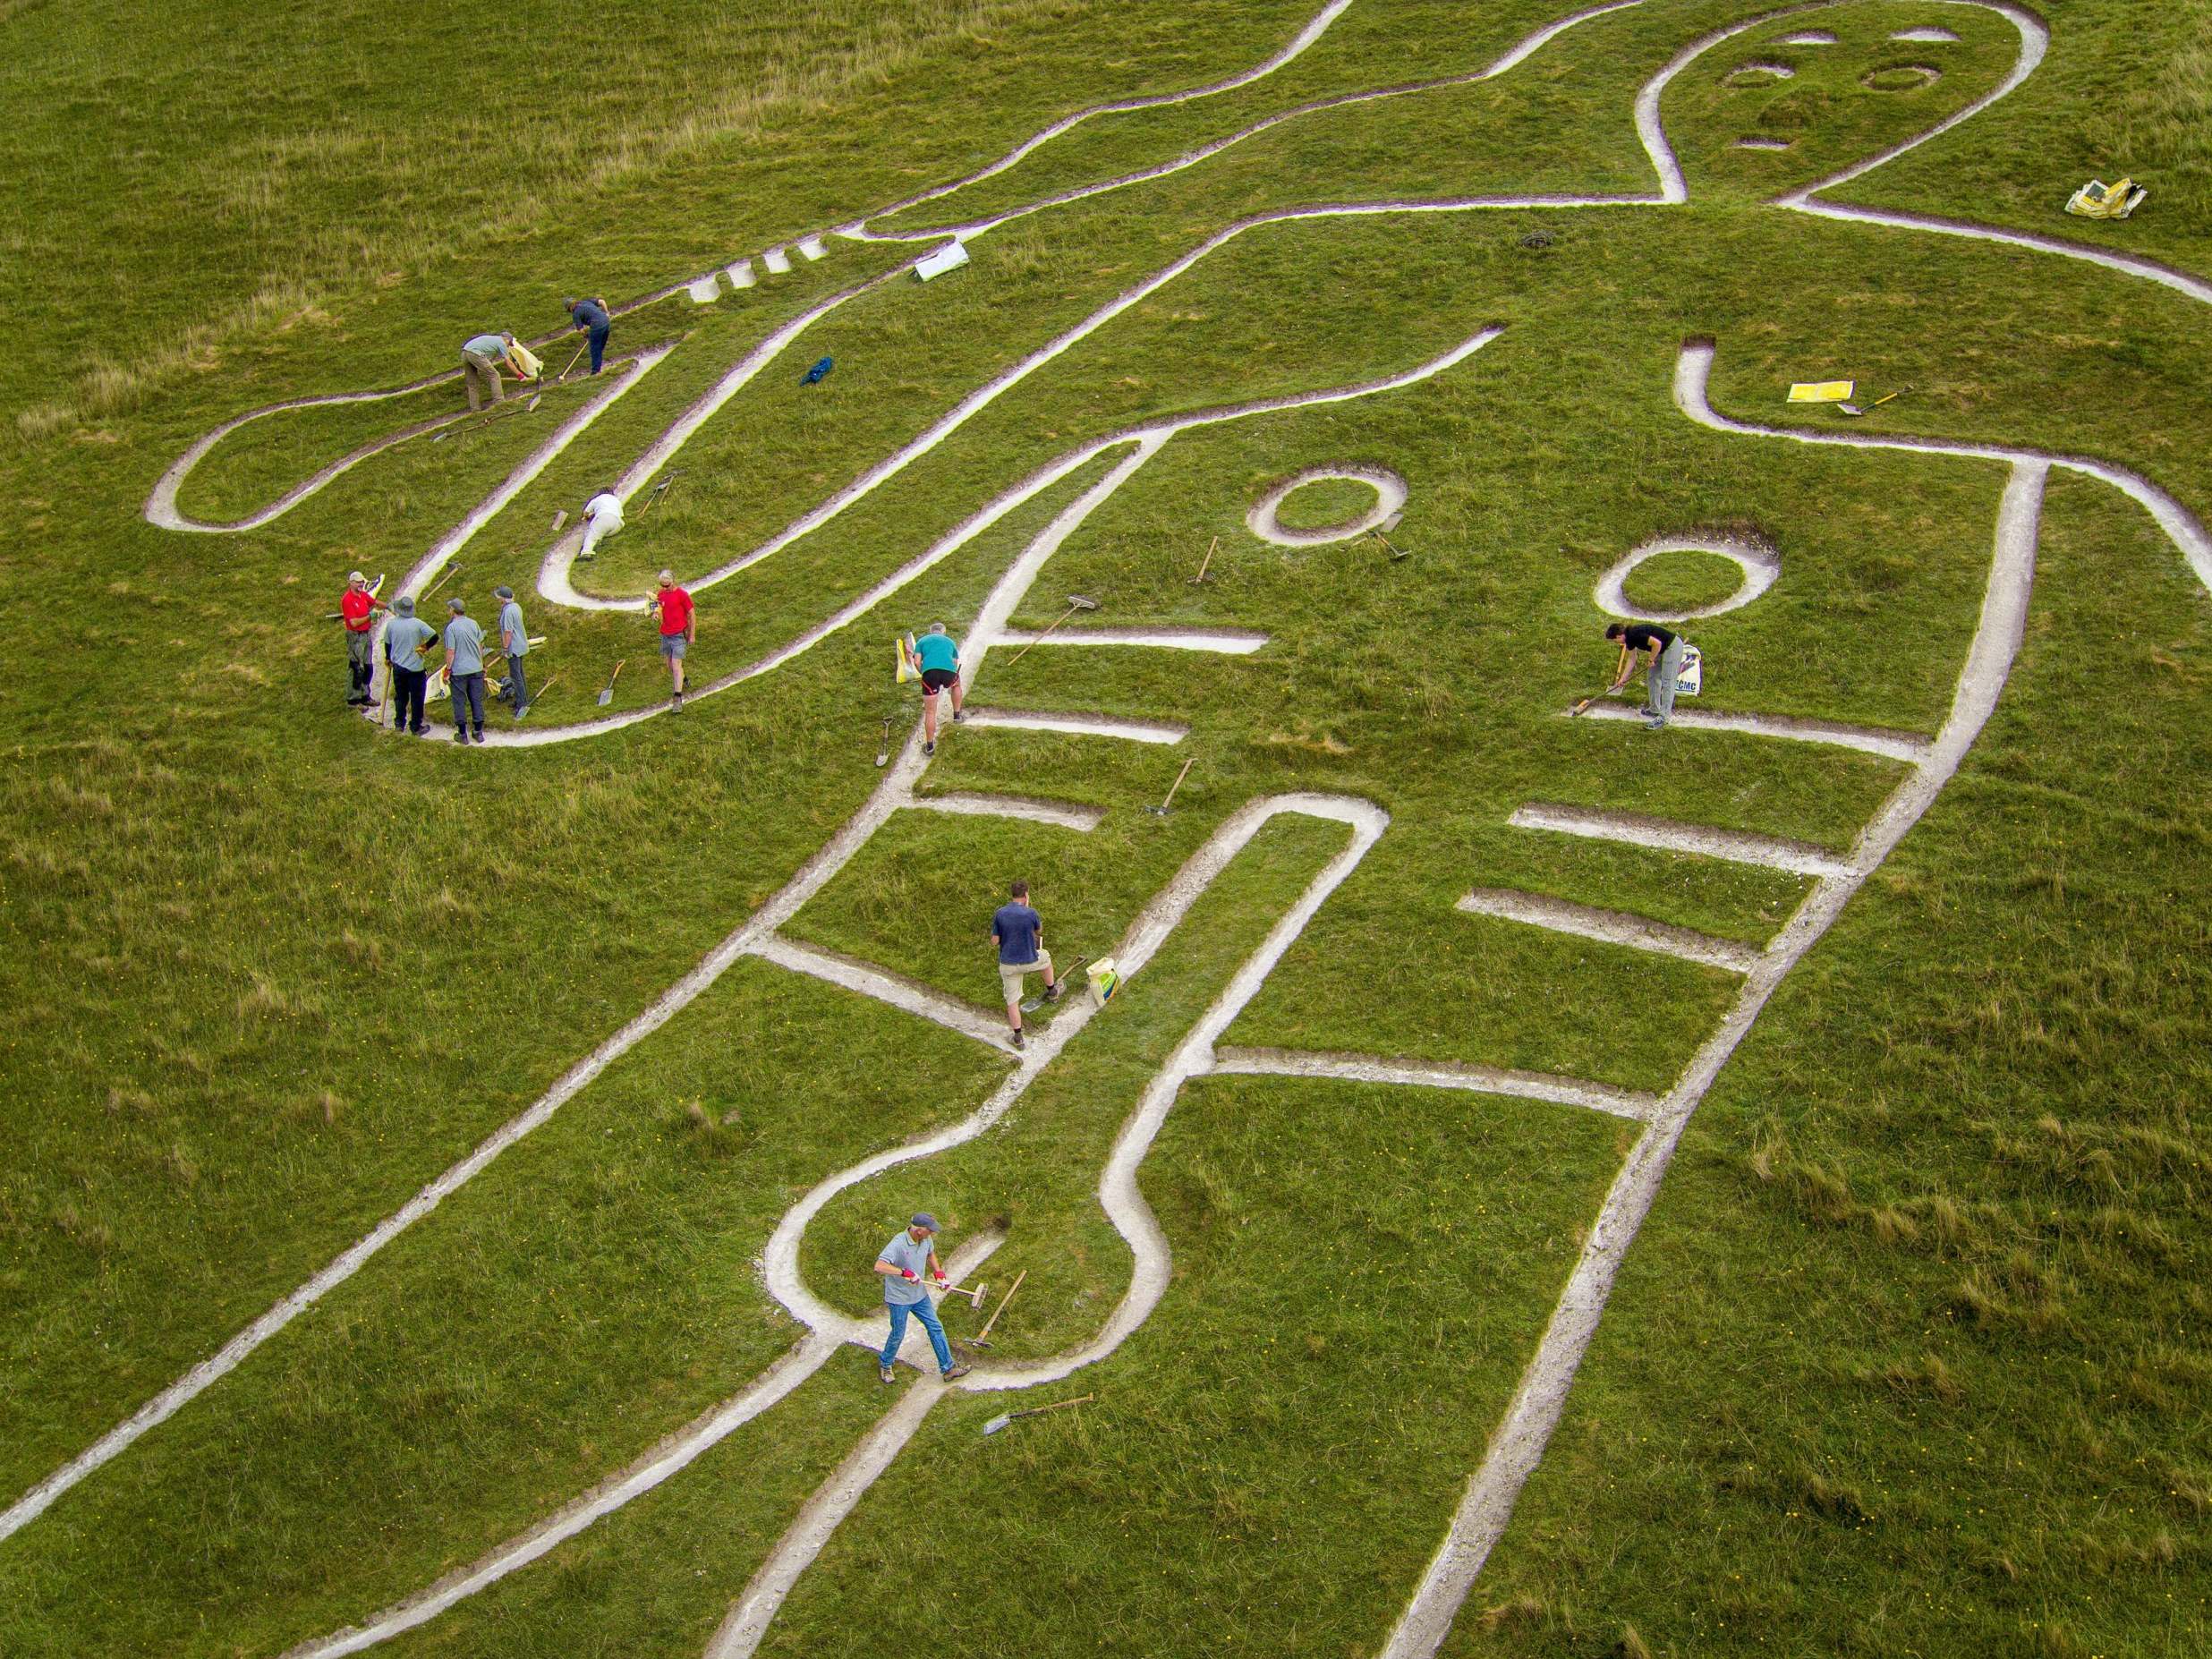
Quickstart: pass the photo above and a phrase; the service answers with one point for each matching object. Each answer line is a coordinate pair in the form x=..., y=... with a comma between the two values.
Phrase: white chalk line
x=910, y=995
x=1264, y=519
x=1530, y=1085
x=1061, y=814
x=1890, y=746
x=1518, y=1441
x=1226, y=641
x=1674, y=835
x=1079, y=725
x=1611, y=927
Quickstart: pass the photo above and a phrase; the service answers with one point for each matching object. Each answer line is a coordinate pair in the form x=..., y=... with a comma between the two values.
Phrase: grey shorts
x=672, y=646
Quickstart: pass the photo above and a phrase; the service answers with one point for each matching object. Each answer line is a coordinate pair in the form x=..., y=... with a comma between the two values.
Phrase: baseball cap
x=925, y=1220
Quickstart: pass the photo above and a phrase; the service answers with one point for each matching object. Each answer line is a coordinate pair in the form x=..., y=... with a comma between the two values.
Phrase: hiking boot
x=461, y=734
x=521, y=709
x=1018, y=1041
x=958, y=1372
x=480, y=734
x=884, y=1371
x=929, y=749
x=676, y=702
x=1655, y=723
x=959, y=717
x=1052, y=991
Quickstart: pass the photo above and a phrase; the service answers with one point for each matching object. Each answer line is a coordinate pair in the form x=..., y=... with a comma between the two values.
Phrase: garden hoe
x=1387, y=524
x=1000, y=1421
x=1076, y=602
x=1161, y=811
x=607, y=692
x=981, y=1338
x=660, y=489
x=1202, y=563
x=574, y=361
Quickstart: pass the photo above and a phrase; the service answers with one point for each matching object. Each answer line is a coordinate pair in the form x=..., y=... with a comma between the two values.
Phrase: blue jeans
x=596, y=338
x=927, y=1314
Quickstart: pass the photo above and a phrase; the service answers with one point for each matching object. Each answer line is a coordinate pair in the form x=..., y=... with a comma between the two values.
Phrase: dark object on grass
x=1539, y=239
x=814, y=375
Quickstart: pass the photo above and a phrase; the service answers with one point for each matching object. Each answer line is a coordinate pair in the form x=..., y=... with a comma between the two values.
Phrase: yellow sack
x=2100, y=201
x=531, y=367
x=1822, y=391
x=902, y=666
x=1105, y=976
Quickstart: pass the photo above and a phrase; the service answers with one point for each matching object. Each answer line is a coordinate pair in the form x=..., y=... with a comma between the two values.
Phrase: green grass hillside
x=1910, y=1357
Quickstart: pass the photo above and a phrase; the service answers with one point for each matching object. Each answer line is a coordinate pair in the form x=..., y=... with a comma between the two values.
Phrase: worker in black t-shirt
x=1663, y=665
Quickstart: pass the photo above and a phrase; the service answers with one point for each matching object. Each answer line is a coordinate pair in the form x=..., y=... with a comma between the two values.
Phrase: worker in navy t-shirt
x=593, y=321
x=937, y=655
x=1018, y=931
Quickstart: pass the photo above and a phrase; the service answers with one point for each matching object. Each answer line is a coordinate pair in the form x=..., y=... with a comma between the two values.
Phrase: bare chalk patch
x=777, y=260
x=1613, y=927
x=703, y=290
x=1765, y=143
x=1759, y=561
x=1672, y=836
x=1530, y=1086
x=1807, y=38
x=1758, y=74
x=1931, y=34
x=741, y=274
x=1265, y=522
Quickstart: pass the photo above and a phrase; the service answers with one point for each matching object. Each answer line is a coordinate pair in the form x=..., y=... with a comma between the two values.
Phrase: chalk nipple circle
x=1264, y=520
x=1760, y=562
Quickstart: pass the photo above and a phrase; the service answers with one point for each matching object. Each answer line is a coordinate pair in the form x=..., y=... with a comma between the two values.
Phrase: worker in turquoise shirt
x=937, y=655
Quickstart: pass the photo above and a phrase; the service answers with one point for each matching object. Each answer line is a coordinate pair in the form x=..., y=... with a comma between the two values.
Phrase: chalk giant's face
x=1799, y=96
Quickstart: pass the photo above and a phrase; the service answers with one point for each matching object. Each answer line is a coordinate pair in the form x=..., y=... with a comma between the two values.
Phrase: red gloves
x=907, y=1273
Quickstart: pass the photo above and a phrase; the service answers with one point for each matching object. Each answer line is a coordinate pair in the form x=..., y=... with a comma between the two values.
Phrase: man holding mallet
x=911, y=1254
x=1663, y=665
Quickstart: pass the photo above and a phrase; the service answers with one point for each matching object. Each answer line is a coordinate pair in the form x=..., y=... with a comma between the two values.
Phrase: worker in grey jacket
x=515, y=643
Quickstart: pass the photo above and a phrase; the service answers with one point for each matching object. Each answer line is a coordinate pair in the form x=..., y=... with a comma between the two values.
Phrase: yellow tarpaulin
x=2100, y=201
x=531, y=367
x=1822, y=391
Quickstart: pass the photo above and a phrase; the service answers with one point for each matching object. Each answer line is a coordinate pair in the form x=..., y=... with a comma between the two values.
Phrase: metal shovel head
x=1390, y=523
x=998, y=1422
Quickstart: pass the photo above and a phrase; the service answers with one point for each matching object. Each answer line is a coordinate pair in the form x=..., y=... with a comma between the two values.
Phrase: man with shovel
x=912, y=1253
x=1018, y=931
x=514, y=644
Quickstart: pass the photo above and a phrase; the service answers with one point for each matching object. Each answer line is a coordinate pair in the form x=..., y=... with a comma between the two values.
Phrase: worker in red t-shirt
x=678, y=628
x=359, y=608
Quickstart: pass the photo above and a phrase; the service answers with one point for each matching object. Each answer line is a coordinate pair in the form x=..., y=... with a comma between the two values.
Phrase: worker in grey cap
x=464, y=670
x=514, y=641
x=912, y=1253
x=404, y=636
